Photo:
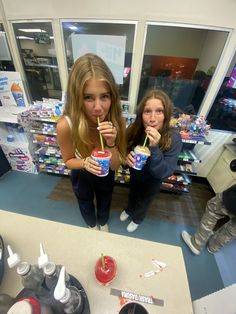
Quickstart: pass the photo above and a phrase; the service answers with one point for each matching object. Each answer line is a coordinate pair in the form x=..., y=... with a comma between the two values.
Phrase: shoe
x=104, y=228
x=124, y=216
x=187, y=239
x=93, y=228
x=209, y=250
x=132, y=226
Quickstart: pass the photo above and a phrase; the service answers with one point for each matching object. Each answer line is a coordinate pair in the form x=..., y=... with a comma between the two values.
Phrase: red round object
x=105, y=276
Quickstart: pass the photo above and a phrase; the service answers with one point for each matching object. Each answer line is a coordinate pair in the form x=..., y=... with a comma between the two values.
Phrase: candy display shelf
x=179, y=181
x=47, y=153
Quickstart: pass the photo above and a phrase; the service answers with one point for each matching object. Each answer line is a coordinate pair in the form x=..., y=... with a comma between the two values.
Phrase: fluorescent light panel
x=32, y=30
x=24, y=37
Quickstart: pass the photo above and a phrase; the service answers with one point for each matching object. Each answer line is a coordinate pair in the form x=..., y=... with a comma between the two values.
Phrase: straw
x=103, y=262
x=100, y=135
x=145, y=141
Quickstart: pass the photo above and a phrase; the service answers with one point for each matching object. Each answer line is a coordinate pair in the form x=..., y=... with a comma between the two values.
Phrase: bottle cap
x=43, y=259
x=61, y=293
x=23, y=268
x=49, y=269
x=13, y=259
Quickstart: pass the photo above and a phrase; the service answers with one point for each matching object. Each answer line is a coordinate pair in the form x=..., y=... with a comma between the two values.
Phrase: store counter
x=77, y=248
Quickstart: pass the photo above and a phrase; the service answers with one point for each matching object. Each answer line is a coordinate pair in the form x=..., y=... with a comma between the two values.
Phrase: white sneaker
x=187, y=239
x=209, y=251
x=132, y=226
x=93, y=228
x=124, y=216
x=104, y=228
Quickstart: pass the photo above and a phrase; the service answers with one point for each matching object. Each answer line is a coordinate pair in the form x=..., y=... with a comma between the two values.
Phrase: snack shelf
x=54, y=169
x=195, y=140
x=174, y=188
x=178, y=179
x=42, y=132
x=188, y=156
x=48, y=151
x=187, y=168
x=50, y=120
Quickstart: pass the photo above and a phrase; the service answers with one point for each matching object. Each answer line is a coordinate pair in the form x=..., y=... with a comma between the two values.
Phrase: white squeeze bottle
x=69, y=296
x=31, y=276
x=50, y=269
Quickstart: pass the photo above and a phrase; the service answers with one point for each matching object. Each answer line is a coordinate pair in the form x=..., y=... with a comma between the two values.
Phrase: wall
x=212, y=47
x=199, y=12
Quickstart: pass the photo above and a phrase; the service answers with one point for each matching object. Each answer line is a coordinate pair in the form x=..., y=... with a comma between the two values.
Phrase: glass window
x=37, y=50
x=222, y=115
x=6, y=63
x=113, y=29
x=181, y=61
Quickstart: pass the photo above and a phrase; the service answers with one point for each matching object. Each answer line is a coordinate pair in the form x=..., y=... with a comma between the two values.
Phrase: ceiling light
x=24, y=37
x=73, y=28
x=32, y=30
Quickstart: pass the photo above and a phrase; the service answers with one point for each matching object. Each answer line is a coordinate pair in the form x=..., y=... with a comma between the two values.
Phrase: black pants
x=140, y=197
x=86, y=186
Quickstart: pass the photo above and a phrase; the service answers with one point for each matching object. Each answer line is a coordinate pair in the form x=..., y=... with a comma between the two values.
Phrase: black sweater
x=229, y=199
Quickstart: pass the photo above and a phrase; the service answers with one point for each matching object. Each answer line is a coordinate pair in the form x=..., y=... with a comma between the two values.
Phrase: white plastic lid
x=21, y=307
x=43, y=258
x=49, y=269
x=13, y=259
x=61, y=293
x=23, y=268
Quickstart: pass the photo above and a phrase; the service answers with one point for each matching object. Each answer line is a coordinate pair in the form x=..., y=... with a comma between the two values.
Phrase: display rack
x=47, y=153
x=180, y=181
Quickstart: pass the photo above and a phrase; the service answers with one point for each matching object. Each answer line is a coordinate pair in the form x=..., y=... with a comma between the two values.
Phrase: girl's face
x=153, y=113
x=97, y=100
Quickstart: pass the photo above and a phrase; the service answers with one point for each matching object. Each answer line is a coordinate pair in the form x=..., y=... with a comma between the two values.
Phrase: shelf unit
x=47, y=153
x=186, y=160
x=180, y=180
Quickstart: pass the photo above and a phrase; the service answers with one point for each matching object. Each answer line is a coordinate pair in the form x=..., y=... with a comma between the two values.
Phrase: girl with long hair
x=153, y=119
x=91, y=94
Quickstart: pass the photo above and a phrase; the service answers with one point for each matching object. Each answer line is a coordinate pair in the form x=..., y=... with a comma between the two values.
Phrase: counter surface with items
x=152, y=274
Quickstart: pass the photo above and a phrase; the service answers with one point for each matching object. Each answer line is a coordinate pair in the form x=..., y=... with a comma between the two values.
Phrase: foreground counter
x=77, y=248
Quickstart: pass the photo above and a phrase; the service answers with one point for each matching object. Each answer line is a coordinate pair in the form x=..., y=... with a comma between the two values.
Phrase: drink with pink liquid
x=103, y=158
x=105, y=275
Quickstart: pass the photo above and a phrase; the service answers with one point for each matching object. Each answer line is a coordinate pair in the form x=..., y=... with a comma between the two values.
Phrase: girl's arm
x=64, y=140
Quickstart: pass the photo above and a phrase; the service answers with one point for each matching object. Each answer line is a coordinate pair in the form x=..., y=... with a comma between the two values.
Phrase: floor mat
x=185, y=208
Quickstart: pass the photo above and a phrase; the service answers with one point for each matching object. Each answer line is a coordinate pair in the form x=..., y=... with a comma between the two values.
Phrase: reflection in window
x=6, y=63
x=222, y=115
x=181, y=61
x=111, y=29
x=37, y=50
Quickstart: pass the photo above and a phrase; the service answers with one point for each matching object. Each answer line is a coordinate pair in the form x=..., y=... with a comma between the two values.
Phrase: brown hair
x=136, y=130
x=90, y=66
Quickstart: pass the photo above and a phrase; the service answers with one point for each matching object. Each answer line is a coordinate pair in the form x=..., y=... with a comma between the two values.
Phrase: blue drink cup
x=141, y=155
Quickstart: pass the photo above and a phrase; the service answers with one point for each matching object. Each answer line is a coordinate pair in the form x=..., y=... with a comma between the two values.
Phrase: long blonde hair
x=90, y=66
x=136, y=130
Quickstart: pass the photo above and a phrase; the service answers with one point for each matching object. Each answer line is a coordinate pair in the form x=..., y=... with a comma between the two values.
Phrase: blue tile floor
x=27, y=194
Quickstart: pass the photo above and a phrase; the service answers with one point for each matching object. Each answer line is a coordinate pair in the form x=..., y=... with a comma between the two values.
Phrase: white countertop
x=78, y=249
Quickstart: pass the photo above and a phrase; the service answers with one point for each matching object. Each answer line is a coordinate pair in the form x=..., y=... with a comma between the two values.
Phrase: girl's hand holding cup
x=92, y=166
x=130, y=159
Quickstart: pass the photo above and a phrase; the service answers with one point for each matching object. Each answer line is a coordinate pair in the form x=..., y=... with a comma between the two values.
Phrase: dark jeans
x=86, y=186
x=140, y=197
